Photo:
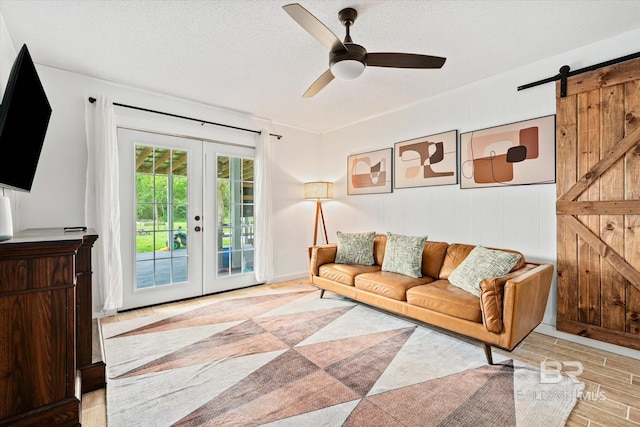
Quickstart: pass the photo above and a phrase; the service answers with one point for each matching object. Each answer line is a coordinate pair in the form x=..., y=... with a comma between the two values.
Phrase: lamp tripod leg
x=324, y=227
x=315, y=229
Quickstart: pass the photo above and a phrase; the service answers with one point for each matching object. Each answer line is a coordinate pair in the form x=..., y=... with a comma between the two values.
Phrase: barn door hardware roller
x=565, y=73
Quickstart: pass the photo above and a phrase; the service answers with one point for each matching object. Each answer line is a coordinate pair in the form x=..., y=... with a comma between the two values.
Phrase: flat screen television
x=24, y=118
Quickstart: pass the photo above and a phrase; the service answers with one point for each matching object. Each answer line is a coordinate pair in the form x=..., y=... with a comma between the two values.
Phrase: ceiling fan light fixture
x=347, y=69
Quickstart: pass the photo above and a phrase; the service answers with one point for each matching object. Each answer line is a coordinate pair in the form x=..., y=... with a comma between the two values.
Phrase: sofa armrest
x=491, y=298
x=319, y=255
x=525, y=301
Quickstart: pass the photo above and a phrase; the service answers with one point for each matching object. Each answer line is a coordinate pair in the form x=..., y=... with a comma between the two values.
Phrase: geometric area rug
x=284, y=357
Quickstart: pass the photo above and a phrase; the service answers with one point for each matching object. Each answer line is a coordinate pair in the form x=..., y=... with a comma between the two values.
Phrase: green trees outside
x=152, y=193
x=154, y=200
x=162, y=197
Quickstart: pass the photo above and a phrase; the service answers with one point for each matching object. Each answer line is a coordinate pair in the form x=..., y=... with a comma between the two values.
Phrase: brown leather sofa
x=508, y=309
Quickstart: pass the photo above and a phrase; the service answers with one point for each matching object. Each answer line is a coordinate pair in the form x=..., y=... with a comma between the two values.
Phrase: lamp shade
x=318, y=190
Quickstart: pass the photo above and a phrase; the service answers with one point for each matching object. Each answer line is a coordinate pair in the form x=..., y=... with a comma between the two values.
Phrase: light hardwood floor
x=612, y=381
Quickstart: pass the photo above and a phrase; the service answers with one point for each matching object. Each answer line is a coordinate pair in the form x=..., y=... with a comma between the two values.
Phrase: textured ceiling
x=250, y=56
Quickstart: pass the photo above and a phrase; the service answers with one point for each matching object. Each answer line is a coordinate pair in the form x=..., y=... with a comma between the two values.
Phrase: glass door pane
x=235, y=215
x=161, y=216
x=229, y=236
x=161, y=183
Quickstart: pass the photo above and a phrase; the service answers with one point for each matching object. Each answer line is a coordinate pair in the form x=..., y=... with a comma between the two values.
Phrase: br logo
x=551, y=372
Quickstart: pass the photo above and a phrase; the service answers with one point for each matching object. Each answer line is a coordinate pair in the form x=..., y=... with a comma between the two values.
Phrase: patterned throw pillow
x=403, y=254
x=355, y=248
x=480, y=264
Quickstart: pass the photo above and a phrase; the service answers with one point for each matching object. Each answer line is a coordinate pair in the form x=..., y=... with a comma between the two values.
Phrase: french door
x=186, y=217
x=228, y=248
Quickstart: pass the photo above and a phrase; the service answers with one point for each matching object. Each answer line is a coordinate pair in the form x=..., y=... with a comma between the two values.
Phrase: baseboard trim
x=551, y=330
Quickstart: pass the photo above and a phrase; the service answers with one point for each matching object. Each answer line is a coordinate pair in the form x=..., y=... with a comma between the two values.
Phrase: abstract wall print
x=370, y=173
x=513, y=154
x=431, y=160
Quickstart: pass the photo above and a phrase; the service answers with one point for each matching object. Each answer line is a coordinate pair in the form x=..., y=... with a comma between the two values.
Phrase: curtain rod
x=92, y=100
x=565, y=73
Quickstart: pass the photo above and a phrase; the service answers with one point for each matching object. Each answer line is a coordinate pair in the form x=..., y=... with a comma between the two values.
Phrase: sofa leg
x=321, y=292
x=487, y=353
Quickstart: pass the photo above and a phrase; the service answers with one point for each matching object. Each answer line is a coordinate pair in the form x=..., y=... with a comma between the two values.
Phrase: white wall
x=7, y=56
x=516, y=217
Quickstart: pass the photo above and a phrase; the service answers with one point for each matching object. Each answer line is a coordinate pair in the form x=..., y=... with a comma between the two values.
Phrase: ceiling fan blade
x=314, y=27
x=404, y=60
x=319, y=84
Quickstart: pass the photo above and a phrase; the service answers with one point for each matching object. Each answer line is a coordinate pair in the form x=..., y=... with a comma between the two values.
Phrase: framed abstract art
x=426, y=161
x=370, y=173
x=514, y=154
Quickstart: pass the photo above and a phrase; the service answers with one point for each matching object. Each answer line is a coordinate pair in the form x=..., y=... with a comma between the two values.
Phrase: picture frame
x=518, y=153
x=370, y=172
x=426, y=161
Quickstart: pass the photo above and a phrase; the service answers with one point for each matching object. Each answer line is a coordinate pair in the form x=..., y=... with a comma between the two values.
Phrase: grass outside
x=145, y=237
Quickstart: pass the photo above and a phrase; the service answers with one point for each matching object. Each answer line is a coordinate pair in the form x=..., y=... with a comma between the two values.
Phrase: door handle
x=197, y=228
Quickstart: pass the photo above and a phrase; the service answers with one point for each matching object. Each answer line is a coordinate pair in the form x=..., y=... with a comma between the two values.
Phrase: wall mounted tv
x=24, y=118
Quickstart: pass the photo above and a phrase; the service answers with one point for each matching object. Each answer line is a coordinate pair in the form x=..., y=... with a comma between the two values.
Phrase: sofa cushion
x=403, y=254
x=433, y=257
x=355, y=248
x=379, y=246
x=390, y=285
x=345, y=273
x=482, y=263
x=457, y=252
x=443, y=297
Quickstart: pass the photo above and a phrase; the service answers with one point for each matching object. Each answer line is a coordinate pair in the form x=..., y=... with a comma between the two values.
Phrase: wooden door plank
x=604, y=250
x=595, y=133
x=588, y=261
x=612, y=154
x=612, y=188
x=566, y=175
x=593, y=221
x=582, y=167
x=632, y=193
x=599, y=333
x=633, y=310
x=604, y=77
x=587, y=235
x=596, y=208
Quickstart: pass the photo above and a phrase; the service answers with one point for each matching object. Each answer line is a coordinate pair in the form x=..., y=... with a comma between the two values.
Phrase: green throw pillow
x=482, y=263
x=403, y=254
x=355, y=248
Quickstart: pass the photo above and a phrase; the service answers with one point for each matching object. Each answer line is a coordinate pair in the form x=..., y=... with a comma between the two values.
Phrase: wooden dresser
x=46, y=327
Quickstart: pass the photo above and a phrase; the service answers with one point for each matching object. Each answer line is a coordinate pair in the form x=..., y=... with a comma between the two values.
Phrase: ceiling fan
x=348, y=60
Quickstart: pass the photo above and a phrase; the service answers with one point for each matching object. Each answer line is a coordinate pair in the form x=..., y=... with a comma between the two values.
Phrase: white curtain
x=263, y=265
x=102, y=199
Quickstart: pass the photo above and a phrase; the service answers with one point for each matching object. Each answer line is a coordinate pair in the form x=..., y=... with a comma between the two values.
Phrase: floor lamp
x=318, y=191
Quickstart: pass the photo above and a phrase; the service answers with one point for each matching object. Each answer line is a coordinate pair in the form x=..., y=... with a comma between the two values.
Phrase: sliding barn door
x=598, y=205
